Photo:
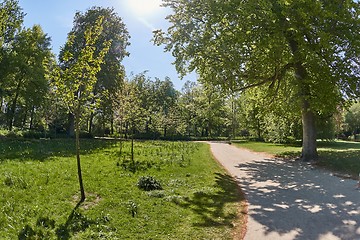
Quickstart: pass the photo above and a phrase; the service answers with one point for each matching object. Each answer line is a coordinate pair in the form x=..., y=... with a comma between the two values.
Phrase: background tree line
x=137, y=105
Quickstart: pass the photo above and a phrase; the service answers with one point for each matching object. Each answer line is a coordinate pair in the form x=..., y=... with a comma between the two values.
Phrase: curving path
x=292, y=200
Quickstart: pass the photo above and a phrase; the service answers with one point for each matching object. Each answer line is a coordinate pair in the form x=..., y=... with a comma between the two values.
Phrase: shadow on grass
x=211, y=206
x=339, y=145
x=45, y=227
x=41, y=150
x=76, y=222
x=346, y=162
x=41, y=231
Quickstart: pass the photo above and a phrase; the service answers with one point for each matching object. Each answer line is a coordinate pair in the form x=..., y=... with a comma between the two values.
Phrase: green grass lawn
x=272, y=148
x=39, y=192
x=340, y=156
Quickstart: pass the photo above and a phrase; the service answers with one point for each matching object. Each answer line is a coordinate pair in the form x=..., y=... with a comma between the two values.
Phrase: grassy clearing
x=339, y=156
x=39, y=192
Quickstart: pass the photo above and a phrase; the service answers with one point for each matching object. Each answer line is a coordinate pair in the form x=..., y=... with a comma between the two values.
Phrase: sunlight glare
x=144, y=8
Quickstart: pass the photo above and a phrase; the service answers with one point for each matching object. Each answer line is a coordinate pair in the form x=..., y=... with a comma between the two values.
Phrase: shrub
x=133, y=208
x=34, y=134
x=148, y=183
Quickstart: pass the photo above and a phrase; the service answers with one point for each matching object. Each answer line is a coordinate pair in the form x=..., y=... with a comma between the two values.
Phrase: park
x=263, y=145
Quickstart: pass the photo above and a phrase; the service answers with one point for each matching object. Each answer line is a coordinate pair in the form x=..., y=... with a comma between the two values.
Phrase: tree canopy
x=311, y=47
x=111, y=75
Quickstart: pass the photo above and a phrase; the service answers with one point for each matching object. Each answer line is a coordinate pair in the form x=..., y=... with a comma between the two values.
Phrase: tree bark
x=77, y=140
x=309, y=152
x=13, y=106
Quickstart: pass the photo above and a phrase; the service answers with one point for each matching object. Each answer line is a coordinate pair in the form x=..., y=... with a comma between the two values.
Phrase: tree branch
x=278, y=76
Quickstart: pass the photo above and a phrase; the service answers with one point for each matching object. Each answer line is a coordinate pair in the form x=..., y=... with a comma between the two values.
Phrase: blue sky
x=140, y=16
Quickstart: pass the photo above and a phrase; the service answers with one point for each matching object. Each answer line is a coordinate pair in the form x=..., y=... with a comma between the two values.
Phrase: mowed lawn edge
x=340, y=157
x=39, y=189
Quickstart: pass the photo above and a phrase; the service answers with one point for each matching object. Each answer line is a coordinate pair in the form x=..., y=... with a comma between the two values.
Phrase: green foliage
x=149, y=183
x=75, y=80
x=352, y=119
x=109, y=79
x=26, y=84
x=246, y=44
x=326, y=128
x=34, y=134
x=11, y=19
x=133, y=208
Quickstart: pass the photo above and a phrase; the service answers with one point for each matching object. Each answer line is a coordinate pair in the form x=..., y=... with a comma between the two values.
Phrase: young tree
x=130, y=112
x=111, y=76
x=76, y=78
x=312, y=46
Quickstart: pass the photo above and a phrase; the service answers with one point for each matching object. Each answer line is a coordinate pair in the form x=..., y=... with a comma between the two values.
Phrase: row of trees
x=35, y=87
x=24, y=56
x=298, y=71
x=155, y=109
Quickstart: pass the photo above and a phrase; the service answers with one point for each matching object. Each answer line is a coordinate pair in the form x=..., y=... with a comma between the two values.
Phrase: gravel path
x=292, y=200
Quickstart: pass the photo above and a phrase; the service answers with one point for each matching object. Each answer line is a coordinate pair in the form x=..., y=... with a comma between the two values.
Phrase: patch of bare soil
x=92, y=199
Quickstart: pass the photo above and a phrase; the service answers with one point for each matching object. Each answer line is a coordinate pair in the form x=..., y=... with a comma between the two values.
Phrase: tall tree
x=111, y=76
x=11, y=18
x=188, y=108
x=311, y=45
x=28, y=58
x=165, y=98
x=76, y=79
x=352, y=119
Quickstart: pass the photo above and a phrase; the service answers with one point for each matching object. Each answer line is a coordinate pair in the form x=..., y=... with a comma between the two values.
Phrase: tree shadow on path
x=293, y=197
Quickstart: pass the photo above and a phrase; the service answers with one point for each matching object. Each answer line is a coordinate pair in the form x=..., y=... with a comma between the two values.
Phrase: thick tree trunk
x=309, y=152
x=77, y=140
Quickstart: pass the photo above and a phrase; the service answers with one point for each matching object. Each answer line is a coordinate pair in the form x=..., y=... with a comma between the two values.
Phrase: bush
x=34, y=134
x=14, y=134
x=148, y=183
